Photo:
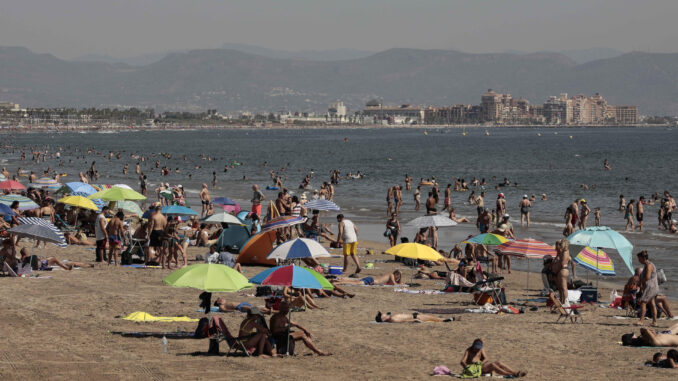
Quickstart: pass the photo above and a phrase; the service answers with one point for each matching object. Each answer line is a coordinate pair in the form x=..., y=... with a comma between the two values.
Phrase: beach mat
x=145, y=317
x=169, y=335
x=440, y=311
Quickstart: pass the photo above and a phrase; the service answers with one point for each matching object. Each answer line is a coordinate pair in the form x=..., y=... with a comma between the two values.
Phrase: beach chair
x=492, y=288
x=219, y=332
x=60, y=223
x=571, y=312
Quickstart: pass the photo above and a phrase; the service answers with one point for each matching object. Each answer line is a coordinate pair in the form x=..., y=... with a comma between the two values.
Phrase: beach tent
x=256, y=249
x=234, y=236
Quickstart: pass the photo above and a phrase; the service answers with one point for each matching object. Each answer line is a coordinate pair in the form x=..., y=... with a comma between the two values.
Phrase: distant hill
x=582, y=55
x=311, y=55
x=231, y=80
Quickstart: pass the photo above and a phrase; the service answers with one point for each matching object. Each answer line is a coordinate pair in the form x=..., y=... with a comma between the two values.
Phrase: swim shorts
x=639, y=217
x=241, y=305
x=114, y=241
x=350, y=248
x=368, y=280
x=156, y=238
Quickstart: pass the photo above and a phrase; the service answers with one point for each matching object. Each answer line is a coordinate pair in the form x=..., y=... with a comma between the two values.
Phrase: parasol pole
x=597, y=268
x=527, y=285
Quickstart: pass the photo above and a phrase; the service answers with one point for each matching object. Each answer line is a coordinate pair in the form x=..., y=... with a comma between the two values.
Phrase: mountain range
x=232, y=80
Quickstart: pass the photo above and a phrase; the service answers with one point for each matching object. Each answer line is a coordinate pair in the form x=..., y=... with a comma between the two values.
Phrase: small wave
x=363, y=210
x=664, y=235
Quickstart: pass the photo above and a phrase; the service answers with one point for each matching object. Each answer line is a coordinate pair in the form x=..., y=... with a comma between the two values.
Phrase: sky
x=125, y=28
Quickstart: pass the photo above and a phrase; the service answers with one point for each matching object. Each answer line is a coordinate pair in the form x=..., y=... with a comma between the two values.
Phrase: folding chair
x=219, y=332
x=571, y=312
x=491, y=287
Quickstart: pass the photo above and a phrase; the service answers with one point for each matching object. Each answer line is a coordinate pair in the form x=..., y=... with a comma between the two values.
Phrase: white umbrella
x=431, y=220
x=39, y=229
x=123, y=186
x=297, y=249
x=321, y=204
x=223, y=217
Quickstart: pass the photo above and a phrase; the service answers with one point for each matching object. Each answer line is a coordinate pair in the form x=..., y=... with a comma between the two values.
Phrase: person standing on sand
x=156, y=230
x=389, y=201
x=559, y=267
x=583, y=214
x=100, y=234
x=397, y=197
x=431, y=204
x=115, y=237
x=204, y=199
x=525, y=206
x=480, y=203
x=348, y=236
x=257, y=198
x=628, y=215
x=501, y=206
x=649, y=287
x=639, y=212
x=448, y=202
x=417, y=198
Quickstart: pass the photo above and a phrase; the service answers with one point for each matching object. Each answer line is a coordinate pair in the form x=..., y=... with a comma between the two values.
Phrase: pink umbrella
x=10, y=185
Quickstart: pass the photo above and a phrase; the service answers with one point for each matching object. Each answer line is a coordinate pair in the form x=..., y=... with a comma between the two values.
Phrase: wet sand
x=58, y=328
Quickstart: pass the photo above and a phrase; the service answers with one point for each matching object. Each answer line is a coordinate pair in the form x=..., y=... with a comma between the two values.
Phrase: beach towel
x=139, y=316
x=169, y=335
x=426, y=292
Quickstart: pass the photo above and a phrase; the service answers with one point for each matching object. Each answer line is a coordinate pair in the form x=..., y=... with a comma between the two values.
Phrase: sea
x=540, y=160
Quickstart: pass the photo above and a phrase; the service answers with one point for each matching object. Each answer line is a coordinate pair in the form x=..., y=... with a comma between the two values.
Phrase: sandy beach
x=58, y=328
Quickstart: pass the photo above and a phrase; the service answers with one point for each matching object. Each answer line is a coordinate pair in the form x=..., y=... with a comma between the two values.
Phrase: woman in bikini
x=414, y=317
x=475, y=363
x=559, y=267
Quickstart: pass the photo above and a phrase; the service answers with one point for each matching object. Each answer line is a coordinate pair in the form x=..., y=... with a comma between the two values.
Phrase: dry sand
x=58, y=329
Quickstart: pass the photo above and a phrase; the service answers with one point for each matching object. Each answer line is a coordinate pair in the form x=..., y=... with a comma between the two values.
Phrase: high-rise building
x=491, y=106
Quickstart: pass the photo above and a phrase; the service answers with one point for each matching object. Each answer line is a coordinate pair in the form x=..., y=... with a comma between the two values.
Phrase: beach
x=58, y=328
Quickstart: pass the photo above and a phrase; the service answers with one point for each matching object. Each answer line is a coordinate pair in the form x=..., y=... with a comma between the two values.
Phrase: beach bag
x=126, y=257
x=281, y=342
x=661, y=277
x=201, y=331
x=336, y=245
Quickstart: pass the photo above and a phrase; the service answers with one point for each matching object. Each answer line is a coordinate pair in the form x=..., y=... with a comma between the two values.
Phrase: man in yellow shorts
x=348, y=235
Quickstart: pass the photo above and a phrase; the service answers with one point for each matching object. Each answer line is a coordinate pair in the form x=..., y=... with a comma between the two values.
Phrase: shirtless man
x=525, y=206
x=156, y=229
x=448, y=201
x=500, y=210
x=115, y=237
x=431, y=204
x=226, y=306
x=484, y=220
x=280, y=328
x=386, y=279
x=397, y=197
x=204, y=199
x=414, y=317
x=480, y=203
x=639, y=212
x=651, y=338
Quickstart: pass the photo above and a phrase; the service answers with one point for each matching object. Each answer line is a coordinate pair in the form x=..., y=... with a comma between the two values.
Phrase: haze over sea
x=554, y=161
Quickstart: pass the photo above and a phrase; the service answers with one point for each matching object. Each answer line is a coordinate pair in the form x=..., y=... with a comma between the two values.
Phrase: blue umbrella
x=83, y=189
x=5, y=210
x=224, y=201
x=293, y=276
x=604, y=238
x=178, y=210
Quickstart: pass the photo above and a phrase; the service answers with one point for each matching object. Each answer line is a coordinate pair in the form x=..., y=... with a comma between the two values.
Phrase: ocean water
x=555, y=161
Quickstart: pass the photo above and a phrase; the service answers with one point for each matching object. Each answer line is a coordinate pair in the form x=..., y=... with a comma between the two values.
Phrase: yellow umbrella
x=117, y=194
x=415, y=251
x=79, y=202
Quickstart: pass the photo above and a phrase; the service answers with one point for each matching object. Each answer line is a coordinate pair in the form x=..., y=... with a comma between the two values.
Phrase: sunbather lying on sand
x=298, y=298
x=338, y=292
x=386, y=279
x=670, y=360
x=414, y=317
x=78, y=239
x=41, y=263
x=423, y=274
x=651, y=338
x=226, y=306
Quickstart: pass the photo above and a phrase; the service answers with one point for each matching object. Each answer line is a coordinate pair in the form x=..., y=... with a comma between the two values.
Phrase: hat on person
x=500, y=195
x=255, y=311
x=180, y=186
x=524, y=196
x=583, y=201
x=506, y=215
x=477, y=344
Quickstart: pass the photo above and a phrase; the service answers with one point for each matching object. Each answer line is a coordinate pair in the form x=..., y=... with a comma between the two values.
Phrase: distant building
x=626, y=114
x=337, y=112
x=403, y=114
x=491, y=106
x=9, y=106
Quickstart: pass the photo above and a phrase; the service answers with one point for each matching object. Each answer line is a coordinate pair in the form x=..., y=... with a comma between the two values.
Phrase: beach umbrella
x=117, y=194
x=5, y=210
x=223, y=201
x=219, y=218
x=167, y=194
x=79, y=202
x=602, y=237
x=128, y=206
x=487, y=239
x=321, y=204
x=10, y=185
x=527, y=248
x=46, y=183
x=124, y=186
x=595, y=260
x=431, y=220
x=2, y=177
x=83, y=189
x=210, y=277
x=25, y=203
x=415, y=251
x=39, y=229
x=230, y=208
x=292, y=276
x=243, y=215
x=281, y=222
x=178, y=210
x=297, y=249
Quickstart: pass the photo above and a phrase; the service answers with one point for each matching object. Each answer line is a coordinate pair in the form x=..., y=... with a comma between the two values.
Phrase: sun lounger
x=571, y=312
x=219, y=332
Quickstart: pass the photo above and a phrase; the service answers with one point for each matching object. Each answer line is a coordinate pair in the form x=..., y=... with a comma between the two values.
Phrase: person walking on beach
x=100, y=234
x=389, y=201
x=480, y=203
x=115, y=237
x=639, y=213
x=583, y=214
x=628, y=215
x=649, y=287
x=257, y=198
x=348, y=236
x=448, y=202
x=525, y=206
x=417, y=198
x=501, y=206
x=393, y=229
x=204, y=199
x=397, y=197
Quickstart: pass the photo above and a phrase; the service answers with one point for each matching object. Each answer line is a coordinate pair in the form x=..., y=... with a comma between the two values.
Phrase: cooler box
x=336, y=270
x=589, y=295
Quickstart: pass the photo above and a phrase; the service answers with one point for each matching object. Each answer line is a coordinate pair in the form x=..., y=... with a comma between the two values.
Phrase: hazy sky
x=121, y=28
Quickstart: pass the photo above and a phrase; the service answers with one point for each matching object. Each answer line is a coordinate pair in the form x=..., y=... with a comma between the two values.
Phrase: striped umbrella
x=37, y=228
x=487, y=239
x=321, y=204
x=46, y=183
x=297, y=249
x=595, y=260
x=83, y=189
x=281, y=222
x=128, y=206
x=527, y=248
x=25, y=203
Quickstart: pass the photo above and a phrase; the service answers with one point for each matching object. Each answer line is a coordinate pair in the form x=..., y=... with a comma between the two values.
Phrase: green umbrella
x=208, y=277
x=322, y=280
x=117, y=194
x=128, y=206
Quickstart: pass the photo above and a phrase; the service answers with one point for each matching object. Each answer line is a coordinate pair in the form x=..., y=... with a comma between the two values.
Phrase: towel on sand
x=139, y=316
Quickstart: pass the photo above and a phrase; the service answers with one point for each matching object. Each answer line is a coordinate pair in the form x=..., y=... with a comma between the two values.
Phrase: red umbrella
x=527, y=248
x=11, y=185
